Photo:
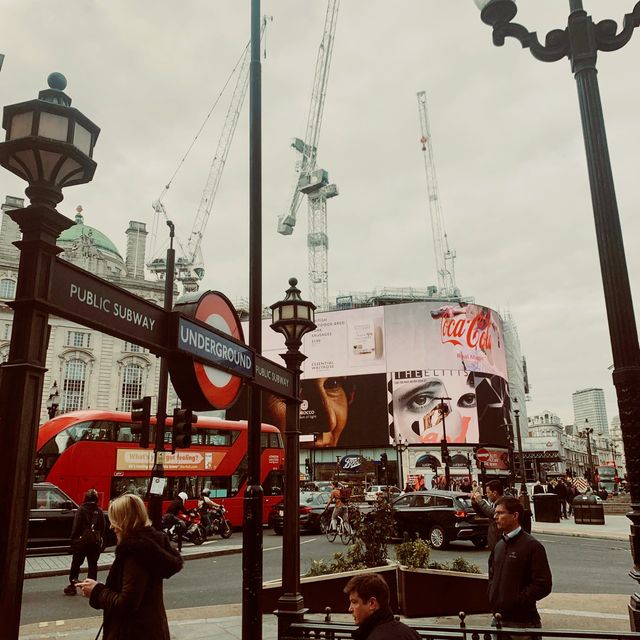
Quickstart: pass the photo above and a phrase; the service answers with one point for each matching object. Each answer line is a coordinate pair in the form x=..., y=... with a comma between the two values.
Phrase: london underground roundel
x=200, y=386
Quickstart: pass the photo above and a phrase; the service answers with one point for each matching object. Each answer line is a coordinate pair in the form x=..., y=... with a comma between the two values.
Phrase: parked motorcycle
x=188, y=526
x=217, y=524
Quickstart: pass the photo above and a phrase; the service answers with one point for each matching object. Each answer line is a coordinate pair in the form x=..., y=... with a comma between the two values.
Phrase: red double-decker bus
x=97, y=449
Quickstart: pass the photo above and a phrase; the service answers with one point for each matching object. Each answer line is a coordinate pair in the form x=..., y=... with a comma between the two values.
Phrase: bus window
x=240, y=476
x=273, y=483
x=264, y=441
x=135, y=485
x=218, y=486
x=176, y=484
x=275, y=441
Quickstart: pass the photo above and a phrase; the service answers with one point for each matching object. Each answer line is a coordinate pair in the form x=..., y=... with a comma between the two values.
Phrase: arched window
x=73, y=385
x=131, y=386
x=7, y=289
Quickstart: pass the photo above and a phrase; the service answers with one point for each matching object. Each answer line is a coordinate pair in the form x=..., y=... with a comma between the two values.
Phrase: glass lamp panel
x=275, y=314
x=287, y=311
x=29, y=159
x=82, y=139
x=303, y=312
x=68, y=171
x=20, y=126
x=49, y=161
x=53, y=126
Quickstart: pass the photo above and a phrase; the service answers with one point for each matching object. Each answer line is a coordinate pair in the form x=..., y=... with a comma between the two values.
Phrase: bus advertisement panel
x=374, y=376
x=97, y=449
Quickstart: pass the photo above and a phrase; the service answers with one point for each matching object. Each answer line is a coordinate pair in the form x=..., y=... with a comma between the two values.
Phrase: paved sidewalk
x=614, y=528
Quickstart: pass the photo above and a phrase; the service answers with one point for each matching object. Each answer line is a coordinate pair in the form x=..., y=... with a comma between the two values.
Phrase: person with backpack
x=87, y=535
x=339, y=496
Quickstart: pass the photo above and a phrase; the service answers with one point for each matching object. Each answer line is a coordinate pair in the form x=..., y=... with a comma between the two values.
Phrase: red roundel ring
x=219, y=387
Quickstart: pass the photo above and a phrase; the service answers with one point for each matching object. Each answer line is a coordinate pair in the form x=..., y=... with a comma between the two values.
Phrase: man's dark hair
x=496, y=485
x=512, y=505
x=91, y=496
x=367, y=586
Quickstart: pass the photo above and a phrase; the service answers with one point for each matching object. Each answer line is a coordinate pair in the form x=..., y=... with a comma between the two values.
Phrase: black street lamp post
x=53, y=402
x=313, y=456
x=401, y=446
x=587, y=432
x=49, y=144
x=293, y=317
x=580, y=42
x=524, y=496
x=443, y=408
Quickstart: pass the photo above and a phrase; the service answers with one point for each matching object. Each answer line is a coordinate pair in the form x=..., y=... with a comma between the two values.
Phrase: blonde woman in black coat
x=132, y=596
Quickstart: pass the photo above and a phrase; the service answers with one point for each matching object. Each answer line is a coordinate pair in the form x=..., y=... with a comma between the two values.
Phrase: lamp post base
x=290, y=609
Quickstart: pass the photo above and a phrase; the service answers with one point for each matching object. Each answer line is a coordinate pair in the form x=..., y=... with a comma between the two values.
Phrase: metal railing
x=328, y=630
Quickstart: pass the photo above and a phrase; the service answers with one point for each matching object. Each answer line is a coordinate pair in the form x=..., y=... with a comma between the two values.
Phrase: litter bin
x=546, y=507
x=588, y=510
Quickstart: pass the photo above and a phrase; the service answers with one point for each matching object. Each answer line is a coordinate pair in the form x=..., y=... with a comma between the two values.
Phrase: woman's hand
x=86, y=586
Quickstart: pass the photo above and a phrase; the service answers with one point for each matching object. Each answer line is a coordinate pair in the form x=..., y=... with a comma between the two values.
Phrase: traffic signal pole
x=155, y=500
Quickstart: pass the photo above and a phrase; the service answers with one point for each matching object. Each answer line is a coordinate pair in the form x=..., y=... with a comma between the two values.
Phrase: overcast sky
x=506, y=130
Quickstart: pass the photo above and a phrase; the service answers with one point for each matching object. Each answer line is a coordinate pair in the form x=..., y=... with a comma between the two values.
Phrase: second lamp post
x=293, y=317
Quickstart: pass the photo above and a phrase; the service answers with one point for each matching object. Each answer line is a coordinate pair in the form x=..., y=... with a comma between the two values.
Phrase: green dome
x=81, y=229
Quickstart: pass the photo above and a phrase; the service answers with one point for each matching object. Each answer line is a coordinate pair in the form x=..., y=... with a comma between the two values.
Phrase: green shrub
x=413, y=554
x=457, y=564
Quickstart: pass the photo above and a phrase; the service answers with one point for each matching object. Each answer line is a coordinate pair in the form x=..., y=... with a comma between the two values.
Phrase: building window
x=73, y=386
x=78, y=339
x=131, y=386
x=7, y=289
x=6, y=331
x=133, y=348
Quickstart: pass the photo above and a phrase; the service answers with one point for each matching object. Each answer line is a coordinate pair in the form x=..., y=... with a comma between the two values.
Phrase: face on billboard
x=346, y=411
x=420, y=415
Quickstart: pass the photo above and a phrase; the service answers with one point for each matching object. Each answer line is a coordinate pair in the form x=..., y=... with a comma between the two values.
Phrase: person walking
x=132, y=598
x=561, y=491
x=487, y=508
x=369, y=605
x=519, y=573
x=87, y=534
x=538, y=487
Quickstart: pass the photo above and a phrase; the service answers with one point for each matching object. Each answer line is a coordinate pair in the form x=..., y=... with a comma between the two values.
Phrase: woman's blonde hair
x=128, y=513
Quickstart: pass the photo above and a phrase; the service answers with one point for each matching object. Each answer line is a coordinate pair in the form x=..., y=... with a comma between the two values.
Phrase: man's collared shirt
x=512, y=534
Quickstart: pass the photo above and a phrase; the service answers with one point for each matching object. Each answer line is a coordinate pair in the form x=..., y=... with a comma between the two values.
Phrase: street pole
x=313, y=456
x=155, y=499
x=252, y=522
x=524, y=496
x=592, y=478
x=443, y=408
x=580, y=41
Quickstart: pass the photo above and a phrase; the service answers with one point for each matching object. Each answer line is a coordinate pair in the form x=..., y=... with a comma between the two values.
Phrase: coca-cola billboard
x=409, y=372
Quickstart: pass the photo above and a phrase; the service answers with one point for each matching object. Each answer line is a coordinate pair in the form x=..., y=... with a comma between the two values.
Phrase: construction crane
x=313, y=182
x=445, y=258
x=190, y=265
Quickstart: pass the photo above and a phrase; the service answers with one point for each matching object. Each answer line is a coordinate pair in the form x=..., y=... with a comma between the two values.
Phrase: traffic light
x=444, y=451
x=141, y=413
x=183, y=420
x=383, y=460
x=307, y=466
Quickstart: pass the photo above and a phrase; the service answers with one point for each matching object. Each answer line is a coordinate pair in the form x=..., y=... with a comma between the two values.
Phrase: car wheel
x=479, y=543
x=437, y=537
x=277, y=531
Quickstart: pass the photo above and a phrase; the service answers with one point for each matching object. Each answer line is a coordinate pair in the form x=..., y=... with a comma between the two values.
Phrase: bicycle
x=342, y=529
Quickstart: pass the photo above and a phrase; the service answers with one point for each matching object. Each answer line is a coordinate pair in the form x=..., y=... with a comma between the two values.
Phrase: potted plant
x=438, y=589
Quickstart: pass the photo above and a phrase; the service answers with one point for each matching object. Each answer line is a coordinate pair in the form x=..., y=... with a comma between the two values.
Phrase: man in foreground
x=369, y=605
x=519, y=573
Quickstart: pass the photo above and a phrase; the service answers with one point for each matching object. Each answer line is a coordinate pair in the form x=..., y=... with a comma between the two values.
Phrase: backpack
x=91, y=537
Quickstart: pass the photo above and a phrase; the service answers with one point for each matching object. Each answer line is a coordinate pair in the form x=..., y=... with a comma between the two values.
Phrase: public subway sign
x=78, y=295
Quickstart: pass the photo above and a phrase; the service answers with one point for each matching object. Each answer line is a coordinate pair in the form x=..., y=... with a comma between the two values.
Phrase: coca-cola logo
x=462, y=332
x=350, y=462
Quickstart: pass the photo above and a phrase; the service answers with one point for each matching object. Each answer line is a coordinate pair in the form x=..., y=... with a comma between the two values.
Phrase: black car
x=312, y=507
x=50, y=518
x=439, y=517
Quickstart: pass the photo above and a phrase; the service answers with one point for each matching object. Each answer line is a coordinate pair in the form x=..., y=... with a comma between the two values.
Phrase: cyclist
x=340, y=510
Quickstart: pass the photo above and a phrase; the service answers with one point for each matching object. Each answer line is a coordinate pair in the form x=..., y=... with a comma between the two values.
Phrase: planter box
x=327, y=591
x=431, y=592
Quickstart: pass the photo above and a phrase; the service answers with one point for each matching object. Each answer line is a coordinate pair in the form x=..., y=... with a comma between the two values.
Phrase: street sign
x=213, y=348
x=78, y=295
x=273, y=377
x=483, y=455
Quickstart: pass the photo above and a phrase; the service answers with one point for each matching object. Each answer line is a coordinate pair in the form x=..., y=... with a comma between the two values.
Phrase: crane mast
x=312, y=181
x=190, y=266
x=444, y=257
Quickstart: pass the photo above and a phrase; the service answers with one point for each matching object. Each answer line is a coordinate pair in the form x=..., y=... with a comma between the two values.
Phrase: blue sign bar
x=212, y=348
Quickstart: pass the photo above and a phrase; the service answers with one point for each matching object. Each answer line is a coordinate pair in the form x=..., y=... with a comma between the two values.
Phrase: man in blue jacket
x=519, y=573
